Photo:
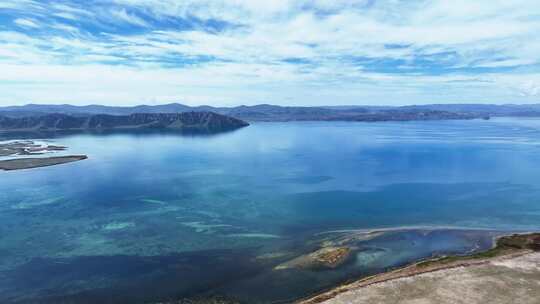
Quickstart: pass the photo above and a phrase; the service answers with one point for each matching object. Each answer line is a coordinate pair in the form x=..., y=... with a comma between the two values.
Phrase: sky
x=286, y=52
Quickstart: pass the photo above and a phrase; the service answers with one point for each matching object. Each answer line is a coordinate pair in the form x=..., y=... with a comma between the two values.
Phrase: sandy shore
x=442, y=280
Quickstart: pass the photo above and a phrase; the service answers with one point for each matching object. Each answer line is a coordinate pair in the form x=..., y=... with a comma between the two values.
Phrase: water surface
x=153, y=217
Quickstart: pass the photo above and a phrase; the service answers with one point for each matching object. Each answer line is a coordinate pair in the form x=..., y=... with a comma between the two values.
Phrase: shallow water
x=161, y=216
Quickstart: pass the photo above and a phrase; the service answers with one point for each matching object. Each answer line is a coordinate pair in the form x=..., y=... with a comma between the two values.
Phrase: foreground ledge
x=506, y=247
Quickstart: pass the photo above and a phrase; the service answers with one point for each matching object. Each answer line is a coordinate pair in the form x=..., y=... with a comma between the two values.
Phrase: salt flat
x=500, y=281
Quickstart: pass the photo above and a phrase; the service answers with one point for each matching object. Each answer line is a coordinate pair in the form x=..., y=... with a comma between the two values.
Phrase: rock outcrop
x=322, y=259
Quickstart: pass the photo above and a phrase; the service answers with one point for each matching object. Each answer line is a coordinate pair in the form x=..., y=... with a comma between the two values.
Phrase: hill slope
x=267, y=112
x=195, y=121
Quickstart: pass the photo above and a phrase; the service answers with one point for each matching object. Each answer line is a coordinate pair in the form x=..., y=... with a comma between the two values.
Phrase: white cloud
x=66, y=28
x=71, y=9
x=26, y=23
x=123, y=15
x=65, y=15
x=18, y=4
x=232, y=83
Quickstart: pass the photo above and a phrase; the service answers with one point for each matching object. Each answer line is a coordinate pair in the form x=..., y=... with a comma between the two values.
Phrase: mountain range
x=266, y=112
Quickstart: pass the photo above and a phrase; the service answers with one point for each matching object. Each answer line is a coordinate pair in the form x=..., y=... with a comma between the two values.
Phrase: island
x=512, y=268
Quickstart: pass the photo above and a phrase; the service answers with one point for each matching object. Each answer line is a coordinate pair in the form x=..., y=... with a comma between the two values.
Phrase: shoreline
x=505, y=247
x=423, y=227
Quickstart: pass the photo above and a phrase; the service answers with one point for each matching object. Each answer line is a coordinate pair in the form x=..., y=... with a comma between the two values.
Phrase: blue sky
x=319, y=52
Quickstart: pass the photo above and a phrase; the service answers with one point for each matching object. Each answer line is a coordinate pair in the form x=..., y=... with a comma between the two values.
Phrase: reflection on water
x=159, y=216
x=32, y=134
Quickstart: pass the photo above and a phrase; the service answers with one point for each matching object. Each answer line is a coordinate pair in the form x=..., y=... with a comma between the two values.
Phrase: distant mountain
x=401, y=115
x=267, y=112
x=187, y=121
x=37, y=109
x=487, y=109
x=278, y=113
x=256, y=113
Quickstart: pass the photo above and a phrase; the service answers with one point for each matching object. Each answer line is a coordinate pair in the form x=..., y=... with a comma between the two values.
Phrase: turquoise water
x=152, y=217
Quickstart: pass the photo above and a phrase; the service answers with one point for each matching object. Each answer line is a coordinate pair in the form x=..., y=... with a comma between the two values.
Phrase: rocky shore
x=324, y=258
x=27, y=147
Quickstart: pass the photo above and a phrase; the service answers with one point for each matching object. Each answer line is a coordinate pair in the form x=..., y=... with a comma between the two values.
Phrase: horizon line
x=268, y=104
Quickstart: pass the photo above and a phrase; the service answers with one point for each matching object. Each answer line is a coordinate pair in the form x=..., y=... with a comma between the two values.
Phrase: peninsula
x=187, y=121
x=22, y=149
x=30, y=163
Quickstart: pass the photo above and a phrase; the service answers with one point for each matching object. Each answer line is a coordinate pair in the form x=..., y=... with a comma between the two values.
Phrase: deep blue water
x=153, y=217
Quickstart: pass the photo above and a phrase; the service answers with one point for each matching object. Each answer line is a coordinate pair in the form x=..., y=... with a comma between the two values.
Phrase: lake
x=158, y=217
